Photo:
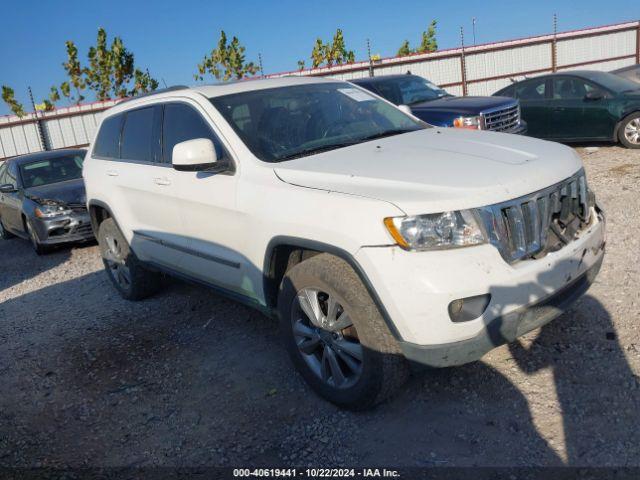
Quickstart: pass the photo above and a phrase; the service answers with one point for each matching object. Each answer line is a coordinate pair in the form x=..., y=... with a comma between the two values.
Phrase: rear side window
x=508, y=92
x=182, y=123
x=533, y=90
x=137, y=135
x=108, y=139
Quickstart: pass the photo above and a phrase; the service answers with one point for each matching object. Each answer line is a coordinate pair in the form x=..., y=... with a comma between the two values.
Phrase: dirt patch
x=187, y=378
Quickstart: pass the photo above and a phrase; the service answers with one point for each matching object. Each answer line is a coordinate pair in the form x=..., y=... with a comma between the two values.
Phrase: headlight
x=49, y=211
x=471, y=123
x=434, y=231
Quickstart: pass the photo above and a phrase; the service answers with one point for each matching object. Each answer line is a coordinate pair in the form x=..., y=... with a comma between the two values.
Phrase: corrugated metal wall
x=64, y=127
x=491, y=67
x=487, y=69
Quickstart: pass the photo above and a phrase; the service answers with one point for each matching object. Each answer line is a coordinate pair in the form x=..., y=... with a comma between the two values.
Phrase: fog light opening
x=469, y=308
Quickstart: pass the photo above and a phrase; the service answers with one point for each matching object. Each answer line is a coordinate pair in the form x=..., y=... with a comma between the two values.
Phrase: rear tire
x=4, y=233
x=132, y=280
x=325, y=349
x=629, y=131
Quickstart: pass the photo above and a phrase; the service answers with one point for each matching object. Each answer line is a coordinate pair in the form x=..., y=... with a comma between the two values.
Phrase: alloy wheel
x=632, y=131
x=114, y=258
x=326, y=338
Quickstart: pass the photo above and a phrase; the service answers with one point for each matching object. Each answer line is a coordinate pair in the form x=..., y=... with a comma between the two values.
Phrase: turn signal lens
x=435, y=231
x=470, y=123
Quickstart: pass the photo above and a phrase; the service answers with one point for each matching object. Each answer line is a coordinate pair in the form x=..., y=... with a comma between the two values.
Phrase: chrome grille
x=521, y=228
x=503, y=119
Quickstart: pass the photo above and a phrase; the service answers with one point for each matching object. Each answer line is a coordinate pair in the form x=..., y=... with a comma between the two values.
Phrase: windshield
x=614, y=82
x=283, y=123
x=52, y=170
x=409, y=90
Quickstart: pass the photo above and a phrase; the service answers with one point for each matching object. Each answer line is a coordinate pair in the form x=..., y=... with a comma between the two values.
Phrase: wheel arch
x=616, y=130
x=98, y=212
x=283, y=252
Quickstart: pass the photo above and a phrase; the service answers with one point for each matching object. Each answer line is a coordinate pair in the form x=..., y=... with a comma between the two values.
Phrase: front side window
x=51, y=170
x=569, y=88
x=181, y=123
x=136, y=143
x=283, y=123
x=107, y=143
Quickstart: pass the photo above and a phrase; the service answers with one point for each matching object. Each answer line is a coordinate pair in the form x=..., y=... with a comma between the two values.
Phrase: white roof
x=259, y=84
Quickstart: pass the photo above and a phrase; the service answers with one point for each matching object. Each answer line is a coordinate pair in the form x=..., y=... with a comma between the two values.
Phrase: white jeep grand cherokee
x=375, y=238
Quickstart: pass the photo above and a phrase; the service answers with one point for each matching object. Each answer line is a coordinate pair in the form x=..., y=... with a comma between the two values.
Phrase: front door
x=580, y=110
x=11, y=203
x=207, y=204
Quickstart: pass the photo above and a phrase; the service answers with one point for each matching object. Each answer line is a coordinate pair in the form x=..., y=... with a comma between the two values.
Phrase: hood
x=463, y=105
x=436, y=170
x=69, y=191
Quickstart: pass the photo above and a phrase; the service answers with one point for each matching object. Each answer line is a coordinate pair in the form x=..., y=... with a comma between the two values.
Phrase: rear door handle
x=162, y=181
x=112, y=173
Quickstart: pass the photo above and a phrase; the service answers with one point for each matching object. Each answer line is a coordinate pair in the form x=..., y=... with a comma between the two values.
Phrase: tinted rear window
x=108, y=140
x=136, y=135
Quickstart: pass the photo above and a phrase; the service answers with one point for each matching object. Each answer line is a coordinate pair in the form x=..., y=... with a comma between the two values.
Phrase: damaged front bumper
x=72, y=227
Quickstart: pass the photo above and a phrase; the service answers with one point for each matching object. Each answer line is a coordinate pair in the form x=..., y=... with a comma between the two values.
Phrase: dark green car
x=580, y=106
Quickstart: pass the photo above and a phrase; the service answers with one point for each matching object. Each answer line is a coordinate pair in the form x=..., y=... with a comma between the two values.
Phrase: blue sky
x=170, y=37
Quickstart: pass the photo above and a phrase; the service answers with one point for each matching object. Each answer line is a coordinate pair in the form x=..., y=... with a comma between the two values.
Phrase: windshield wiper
x=325, y=148
x=386, y=133
x=313, y=150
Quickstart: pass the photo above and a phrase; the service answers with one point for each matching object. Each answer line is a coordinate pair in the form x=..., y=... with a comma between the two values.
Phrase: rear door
x=534, y=106
x=146, y=191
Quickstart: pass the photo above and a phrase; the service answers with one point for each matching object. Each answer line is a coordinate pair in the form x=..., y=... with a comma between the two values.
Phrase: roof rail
x=155, y=92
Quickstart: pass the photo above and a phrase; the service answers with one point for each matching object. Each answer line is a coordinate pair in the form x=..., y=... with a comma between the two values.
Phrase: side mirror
x=7, y=188
x=593, y=95
x=406, y=109
x=194, y=155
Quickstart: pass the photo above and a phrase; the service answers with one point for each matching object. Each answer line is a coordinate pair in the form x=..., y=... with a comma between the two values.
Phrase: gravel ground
x=188, y=378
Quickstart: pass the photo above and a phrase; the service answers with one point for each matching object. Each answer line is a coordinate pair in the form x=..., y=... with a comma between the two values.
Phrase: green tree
x=143, y=82
x=54, y=94
x=226, y=61
x=99, y=72
x=318, y=53
x=404, y=49
x=333, y=53
x=74, y=73
x=429, y=43
x=300, y=65
x=9, y=97
x=122, y=68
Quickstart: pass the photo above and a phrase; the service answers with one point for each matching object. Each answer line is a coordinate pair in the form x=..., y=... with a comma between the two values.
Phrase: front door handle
x=112, y=173
x=162, y=181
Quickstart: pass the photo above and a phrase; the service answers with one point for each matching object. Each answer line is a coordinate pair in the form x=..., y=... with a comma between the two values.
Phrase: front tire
x=335, y=334
x=38, y=247
x=126, y=272
x=629, y=131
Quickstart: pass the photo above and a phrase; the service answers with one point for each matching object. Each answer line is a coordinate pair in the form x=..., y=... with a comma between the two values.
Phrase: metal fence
x=484, y=69
x=475, y=70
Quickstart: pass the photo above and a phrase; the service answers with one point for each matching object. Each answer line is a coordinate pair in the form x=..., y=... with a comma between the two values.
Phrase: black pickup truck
x=435, y=106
